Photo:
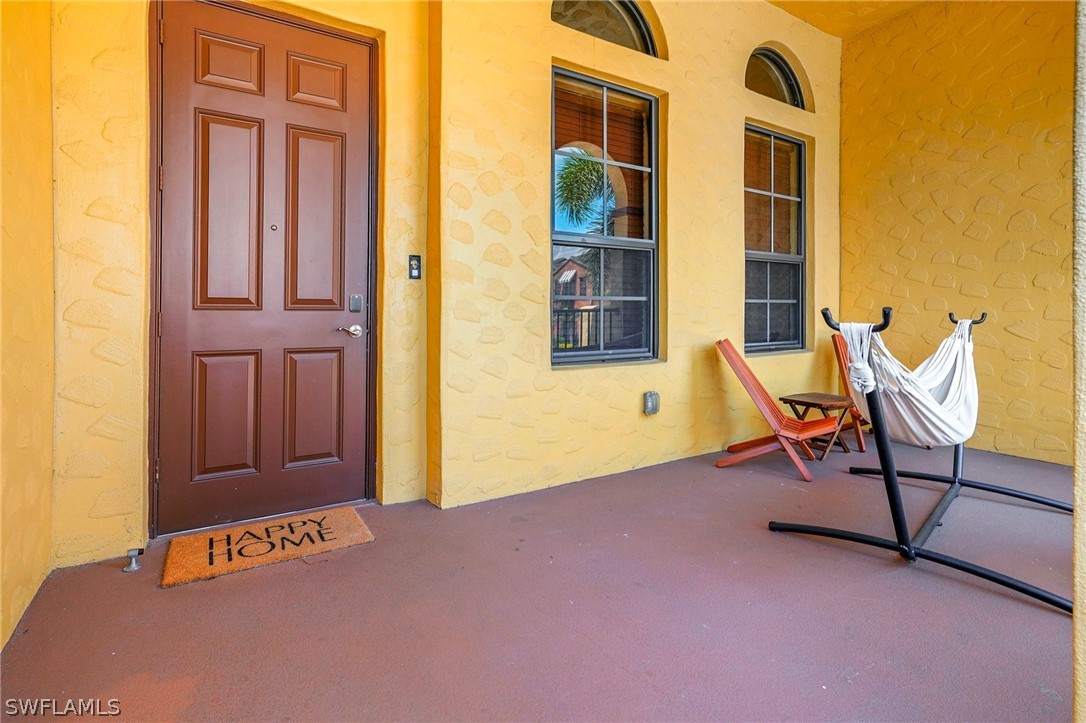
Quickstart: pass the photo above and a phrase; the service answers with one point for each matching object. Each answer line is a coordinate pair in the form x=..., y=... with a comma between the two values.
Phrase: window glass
x=758, y=221
x=770, y=75
x=783, y=281
x=785, y=226
x=783, y=324
x=625, y=325
x=629, y=202
x=774, y=236
x=575, y=326
x=626, y=272
x=786, y=169
x=578, y=115
x=616, y=21
x=575, y=314
x=627, y=124
x=603, y=284
x=757, y=157
x=582, y=201
x=575, y=271
x=757, y=280
x=755, y=325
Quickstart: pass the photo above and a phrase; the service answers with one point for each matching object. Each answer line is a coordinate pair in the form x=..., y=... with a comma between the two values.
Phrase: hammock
x=934, y=405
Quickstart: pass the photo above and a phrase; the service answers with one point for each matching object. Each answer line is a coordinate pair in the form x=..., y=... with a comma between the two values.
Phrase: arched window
x=769, y=74
x=616, y=21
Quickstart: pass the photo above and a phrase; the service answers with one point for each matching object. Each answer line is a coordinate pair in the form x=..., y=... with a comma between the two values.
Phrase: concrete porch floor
x=657, y=594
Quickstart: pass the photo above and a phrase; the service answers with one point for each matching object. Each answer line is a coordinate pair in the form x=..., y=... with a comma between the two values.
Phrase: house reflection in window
x=575, y=323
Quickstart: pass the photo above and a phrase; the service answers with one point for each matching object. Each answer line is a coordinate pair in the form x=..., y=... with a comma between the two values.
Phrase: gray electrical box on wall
x=651, y=402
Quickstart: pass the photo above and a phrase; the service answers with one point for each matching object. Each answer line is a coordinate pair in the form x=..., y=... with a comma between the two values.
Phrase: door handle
x=354, y=330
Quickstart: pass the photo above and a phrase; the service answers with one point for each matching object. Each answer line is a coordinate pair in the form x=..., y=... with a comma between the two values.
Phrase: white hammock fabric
x=933, y=406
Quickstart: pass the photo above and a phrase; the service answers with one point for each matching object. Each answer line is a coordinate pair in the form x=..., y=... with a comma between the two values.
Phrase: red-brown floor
x=657, y=594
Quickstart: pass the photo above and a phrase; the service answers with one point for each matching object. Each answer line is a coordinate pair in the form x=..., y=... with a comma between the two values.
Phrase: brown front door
x=264, y=254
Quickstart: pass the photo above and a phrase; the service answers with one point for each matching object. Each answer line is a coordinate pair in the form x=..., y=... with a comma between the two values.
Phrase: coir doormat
x=211, y=553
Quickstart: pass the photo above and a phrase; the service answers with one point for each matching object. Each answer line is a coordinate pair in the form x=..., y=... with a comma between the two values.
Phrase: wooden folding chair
x=856, y=420
x=786, y=430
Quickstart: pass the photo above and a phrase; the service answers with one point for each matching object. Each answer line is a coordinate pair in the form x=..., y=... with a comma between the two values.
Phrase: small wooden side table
x=803, y=403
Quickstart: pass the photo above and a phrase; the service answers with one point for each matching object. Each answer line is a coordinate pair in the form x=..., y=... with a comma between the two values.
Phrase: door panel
x=317, y=82
x=314, y=219
x=226, y=414
x=229, y=179
x=229, y=63
x=266, y=168
x=314, y=419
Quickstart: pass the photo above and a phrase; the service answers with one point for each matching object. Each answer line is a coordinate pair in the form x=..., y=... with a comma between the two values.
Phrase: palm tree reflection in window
x=583, y=198
x=591, y=199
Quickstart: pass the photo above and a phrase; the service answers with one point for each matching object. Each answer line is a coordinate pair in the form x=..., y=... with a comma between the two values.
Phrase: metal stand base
x=972, y=484
x=920, y=553
x=957, y=482
x=909, y=547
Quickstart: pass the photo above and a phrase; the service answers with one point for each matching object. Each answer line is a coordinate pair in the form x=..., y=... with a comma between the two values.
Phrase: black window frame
x=792, y=87
x=769, y=257
x=650, y=350
x=635, y=21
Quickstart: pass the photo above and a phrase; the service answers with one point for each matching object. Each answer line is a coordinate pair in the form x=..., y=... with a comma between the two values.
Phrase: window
x=616, y=21
x=604, y=245
x=769, y=74
x=775, y=235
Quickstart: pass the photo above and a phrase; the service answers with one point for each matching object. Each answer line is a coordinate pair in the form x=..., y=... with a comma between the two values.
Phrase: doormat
x=208, y=554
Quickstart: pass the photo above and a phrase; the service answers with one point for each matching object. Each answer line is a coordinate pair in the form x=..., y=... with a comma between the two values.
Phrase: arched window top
x=770, y=74
x=616, y=21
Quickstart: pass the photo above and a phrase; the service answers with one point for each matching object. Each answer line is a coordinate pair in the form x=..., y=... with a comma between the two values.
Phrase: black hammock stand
x=911, y=547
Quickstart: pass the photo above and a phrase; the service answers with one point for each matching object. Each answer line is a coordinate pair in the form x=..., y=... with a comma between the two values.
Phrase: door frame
x=154, y=27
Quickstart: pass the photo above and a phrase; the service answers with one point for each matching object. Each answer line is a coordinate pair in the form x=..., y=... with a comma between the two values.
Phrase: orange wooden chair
x=786, y=430
x=855, y=419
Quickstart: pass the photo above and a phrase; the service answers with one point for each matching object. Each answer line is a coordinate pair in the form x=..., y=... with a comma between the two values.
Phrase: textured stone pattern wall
x=26, y=310
x=956, y=196
x=101, y=121
x=1080, y=359
x=100, y=94
x=509, y=421
x=400, y=29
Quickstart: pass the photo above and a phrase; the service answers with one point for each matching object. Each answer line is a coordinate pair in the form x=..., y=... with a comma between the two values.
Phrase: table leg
x=799, y=415
x=836, y=435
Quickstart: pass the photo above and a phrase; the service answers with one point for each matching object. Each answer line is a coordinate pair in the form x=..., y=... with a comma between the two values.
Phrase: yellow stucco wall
x=26, y=309
x=100, y=92
x=401, y=29
x=956, y=196
x=511, y=423
x=101, y=202
x=553, y=426
x=472, y=83
x=1080, y=362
